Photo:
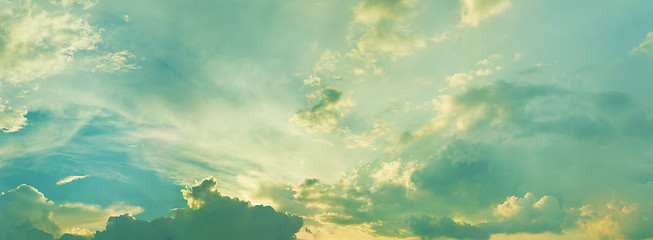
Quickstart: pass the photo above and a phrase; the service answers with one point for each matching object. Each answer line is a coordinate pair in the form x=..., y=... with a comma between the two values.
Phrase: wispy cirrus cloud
x=646, y=46
x=475, y=11
x=70, y=179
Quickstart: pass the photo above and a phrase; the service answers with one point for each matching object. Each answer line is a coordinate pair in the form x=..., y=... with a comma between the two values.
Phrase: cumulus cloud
x=458, y=79
x=617, y=220
x=487, y=67
x=379, y=27
x=429, y=228
x=324, y=68
x=27, y=213
x=529, y=214
x=40, y=39
x=375, y=199
x=646, y=46
x=484, y=68
x=37, y=43
x=539, y=109
x=477, y=167
x=10, y=119
x=516, y=215
x=209, y=216
x=464, y=171
x=474, y=11
x=26, y=206
x=325, y=114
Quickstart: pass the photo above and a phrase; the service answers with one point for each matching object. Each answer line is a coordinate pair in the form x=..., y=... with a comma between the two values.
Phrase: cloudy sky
x=326, y=119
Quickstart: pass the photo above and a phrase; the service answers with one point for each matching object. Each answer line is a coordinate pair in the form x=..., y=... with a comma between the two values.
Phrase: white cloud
x=11, y=120
x=484, y=72
x=459, y=79
x=529, y=214
x=324, y=115
x=39, y=42
x=379, y=28
x=474, y=11
x=70, y=179
x=324, y=68
x=616, y=220
x=116, y=61
x=395, y=173
x=485, y=67
x=86, y=4
x=489, y=143
x=488, y=66
x=646, y=46
x=26, y=206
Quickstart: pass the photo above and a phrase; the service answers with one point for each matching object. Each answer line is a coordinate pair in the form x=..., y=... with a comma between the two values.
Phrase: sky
x=326, y=119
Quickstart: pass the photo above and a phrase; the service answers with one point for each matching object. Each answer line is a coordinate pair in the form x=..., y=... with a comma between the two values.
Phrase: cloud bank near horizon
x=27, y=214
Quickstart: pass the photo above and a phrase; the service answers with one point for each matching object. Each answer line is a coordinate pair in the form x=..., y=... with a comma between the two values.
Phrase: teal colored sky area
x=323, y=119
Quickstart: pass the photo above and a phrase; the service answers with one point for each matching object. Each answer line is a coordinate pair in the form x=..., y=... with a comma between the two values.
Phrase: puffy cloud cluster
x=37, y=43
x=484, y=68
x=324, y=115
x=528, y=214
x=516, y=215
x=460, y=175
x=26, y=211
x=527, y=110
x=209, y=216
x=617, y=220
x=383, y=30
x=458, y=79
x=40, y=39
x=324, y=68
x=26, y=214
x=429, y=228
x=467, y=173
x=11, y=120
x=474, y=11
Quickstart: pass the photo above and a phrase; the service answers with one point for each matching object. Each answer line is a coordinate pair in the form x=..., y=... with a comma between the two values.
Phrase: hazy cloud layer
x=366, y=119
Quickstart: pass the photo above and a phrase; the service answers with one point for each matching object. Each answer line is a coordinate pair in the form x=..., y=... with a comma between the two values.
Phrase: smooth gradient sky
x=326, y=119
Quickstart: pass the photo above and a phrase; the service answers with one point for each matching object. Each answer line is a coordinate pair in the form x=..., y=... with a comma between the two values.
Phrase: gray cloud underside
x=209, y=216
x=483, y=155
